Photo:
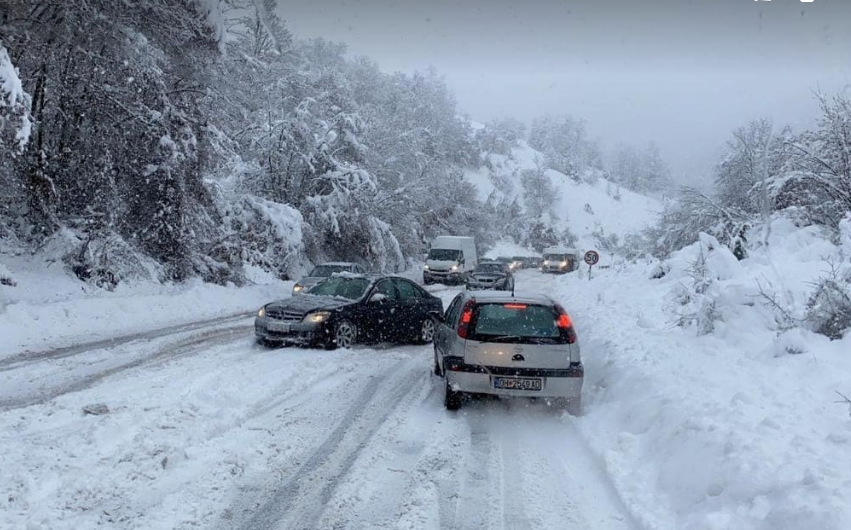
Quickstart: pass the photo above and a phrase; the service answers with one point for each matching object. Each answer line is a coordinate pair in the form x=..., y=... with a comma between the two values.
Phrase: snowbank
x=50, y=308
x=732, y=422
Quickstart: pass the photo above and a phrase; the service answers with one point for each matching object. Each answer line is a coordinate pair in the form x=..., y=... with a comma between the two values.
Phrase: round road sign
x=592, y=257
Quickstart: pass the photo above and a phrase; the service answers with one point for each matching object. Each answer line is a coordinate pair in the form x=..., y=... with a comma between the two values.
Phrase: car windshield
x=326, y=271
x=351, y=288
x=444, y=254
x=489, y=267
x=555, y=257
x=514, y=322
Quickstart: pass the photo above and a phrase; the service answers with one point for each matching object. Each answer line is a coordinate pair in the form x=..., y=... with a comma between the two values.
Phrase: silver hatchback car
x=516, y=346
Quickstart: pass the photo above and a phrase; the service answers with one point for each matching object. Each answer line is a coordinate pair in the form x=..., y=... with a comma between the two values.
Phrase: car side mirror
x=377, y=298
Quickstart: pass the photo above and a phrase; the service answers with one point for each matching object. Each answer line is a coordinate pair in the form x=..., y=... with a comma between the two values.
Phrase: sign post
x=591, y=258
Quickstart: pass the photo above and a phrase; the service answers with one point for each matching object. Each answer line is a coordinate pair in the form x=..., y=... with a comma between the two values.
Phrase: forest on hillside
x=170, y=139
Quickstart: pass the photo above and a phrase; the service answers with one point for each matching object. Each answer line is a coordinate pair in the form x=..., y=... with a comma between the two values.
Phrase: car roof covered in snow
x=502, y=297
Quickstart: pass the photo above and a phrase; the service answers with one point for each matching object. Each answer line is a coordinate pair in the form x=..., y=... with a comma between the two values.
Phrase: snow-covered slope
x=584, y=207
x=733, y=421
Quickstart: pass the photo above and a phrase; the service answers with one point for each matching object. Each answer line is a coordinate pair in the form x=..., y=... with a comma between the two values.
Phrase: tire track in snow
x=189, y=346
x=474, y=508
x=299, y=503
x=27, y=358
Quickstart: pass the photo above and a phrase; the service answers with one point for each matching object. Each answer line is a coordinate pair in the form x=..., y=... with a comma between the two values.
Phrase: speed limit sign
x=592, y=257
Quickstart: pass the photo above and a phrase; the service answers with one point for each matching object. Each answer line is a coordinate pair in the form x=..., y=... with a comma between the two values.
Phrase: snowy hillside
x=586, y=208
x=733, y=419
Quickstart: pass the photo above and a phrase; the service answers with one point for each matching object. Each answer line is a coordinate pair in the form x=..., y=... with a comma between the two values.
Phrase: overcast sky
x=684, y=73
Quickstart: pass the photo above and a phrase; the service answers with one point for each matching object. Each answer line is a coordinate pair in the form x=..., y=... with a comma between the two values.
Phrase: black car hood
x=305, y=303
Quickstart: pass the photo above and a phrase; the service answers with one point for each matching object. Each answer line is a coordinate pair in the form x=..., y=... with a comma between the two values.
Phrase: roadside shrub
x=829, y=307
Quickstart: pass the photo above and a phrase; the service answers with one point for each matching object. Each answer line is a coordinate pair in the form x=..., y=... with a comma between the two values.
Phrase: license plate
x=518, y=383
x=279, y=327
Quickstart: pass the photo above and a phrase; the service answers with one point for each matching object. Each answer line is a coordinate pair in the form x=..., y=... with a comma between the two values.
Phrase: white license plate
x=518, y=383
x=279, y=327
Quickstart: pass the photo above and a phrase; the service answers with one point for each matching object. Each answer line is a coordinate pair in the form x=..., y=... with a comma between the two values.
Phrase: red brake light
x=466, y=317
x=514, y=306
x=565, y=323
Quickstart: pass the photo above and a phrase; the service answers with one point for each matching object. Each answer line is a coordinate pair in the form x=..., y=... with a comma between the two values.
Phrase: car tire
x=574, y=407
x=345, y=334
x=426, y=332
x=451, y=398
x=436, y=370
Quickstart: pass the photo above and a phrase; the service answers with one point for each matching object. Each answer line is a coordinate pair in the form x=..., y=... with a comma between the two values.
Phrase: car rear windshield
x=351, y=288
x=444, y=254
x=490, y=267
x=516, y=323
x=326, y=271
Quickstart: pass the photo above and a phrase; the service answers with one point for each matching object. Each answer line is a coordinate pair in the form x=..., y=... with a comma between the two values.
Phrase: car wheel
x=436, y=370
x=574, y=407
x=426, y=331
x=345, y=334
x=451, y=398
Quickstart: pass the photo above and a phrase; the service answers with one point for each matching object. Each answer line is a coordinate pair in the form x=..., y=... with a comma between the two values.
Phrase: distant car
x=324, y=271
x=347, y=309
x=518, y=262
x=561, y=260
x=491, y=275
x=534, y=262
x=518, y=346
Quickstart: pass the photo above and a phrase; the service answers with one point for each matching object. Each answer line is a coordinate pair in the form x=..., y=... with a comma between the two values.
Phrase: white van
x=560, y=260
x=450, y=259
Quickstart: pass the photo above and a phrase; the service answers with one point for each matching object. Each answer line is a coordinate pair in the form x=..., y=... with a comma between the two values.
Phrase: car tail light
x=514, y=306
x=565, y=323
x=466, y=317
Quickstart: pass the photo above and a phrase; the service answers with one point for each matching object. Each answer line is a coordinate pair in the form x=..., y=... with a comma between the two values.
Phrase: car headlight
x=455, y=267
x=563, y=264
x=425, y=267
x=317, y=317
x=297, y=288
x=546, y=262
x=261, y=313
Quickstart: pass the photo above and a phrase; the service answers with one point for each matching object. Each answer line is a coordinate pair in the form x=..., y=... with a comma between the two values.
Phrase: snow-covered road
x=206, y=429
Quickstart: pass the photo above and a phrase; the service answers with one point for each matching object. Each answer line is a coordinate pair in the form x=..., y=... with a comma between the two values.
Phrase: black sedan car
x=491, y=275
x=347, y=309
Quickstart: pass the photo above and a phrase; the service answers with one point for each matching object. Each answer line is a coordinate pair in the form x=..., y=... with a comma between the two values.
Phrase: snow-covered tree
x=15, y=120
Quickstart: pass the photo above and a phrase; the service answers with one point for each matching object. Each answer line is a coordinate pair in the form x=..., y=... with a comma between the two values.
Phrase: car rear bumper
x=563, y=383
x=289, y=333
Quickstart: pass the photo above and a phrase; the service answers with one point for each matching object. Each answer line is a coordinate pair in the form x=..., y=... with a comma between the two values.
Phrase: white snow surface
x=583, y=207
x=737, y=428
x=49, y=308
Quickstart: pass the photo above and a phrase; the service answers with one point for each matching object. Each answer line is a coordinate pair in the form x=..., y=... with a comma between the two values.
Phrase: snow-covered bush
x=829, y=306
x=105, y=260
x=695, y=298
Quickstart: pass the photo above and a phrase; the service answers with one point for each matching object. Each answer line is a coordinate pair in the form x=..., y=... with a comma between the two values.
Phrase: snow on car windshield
x=351, y=288
x=444, y=254
x=326, y=271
